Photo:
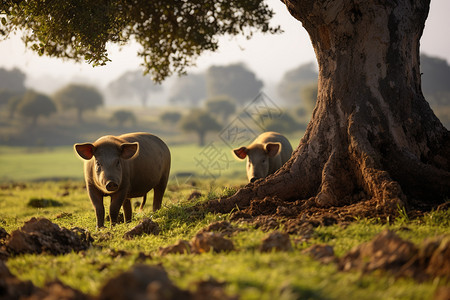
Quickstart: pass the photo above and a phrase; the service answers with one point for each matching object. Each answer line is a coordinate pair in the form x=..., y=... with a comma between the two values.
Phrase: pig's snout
x=111, y=186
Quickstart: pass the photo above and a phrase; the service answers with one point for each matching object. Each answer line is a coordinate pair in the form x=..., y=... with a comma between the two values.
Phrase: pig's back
x=151, y=164
x=275, y=137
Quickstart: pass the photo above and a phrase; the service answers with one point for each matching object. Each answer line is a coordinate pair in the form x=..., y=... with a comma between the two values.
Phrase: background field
x=61, y=163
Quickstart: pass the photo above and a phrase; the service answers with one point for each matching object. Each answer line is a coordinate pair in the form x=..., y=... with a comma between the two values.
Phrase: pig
x=266, y=154
x=124, y=167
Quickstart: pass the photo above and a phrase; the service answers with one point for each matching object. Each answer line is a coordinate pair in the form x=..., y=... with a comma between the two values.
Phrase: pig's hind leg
x=158, y=193
x=144, y=199
x=127, y=210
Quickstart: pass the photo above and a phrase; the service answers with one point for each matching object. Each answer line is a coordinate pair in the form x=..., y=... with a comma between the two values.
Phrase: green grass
x=248, y=273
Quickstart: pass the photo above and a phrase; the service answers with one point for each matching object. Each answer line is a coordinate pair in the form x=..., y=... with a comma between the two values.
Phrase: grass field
x=246, y=271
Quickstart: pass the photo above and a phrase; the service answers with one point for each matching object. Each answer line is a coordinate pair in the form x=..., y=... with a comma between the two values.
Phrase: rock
x=276, y=241
x=181, y=247
x=147, y=226
x=207, y=241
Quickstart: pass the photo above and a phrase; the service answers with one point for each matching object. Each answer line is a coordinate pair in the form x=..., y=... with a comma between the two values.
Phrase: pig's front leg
x=97, y=200
x=117, y=200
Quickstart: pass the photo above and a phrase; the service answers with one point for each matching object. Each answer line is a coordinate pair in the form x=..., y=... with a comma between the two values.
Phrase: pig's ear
x=85, y=151
x=129, y=150
x=241, y=152
x=272, y=149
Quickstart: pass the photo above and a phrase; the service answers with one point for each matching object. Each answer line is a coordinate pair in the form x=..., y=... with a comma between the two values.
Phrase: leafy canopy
x=172, y=33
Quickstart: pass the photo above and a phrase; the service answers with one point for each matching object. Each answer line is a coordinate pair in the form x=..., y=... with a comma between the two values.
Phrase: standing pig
x=124, y=167
x=266, y=154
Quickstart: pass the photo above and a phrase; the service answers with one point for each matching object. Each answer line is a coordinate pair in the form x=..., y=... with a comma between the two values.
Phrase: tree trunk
x=372, y=135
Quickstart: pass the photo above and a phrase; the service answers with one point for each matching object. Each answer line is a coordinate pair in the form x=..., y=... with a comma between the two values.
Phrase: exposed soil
x=146, y=226
x=40, y=235
x=276, y=241
x=140, y=282
x=388, y=252
x=211, y=238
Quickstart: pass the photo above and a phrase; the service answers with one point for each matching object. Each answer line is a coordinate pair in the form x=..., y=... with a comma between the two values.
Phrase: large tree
x=372, y=135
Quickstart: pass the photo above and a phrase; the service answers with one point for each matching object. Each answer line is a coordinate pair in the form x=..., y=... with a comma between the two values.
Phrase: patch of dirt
x=43, y=202
x=210, y=238
x=207, y=241
x=223, y=227
x=58, y=290
x=322, y=253
x=442, y=293
x=3, y=233
x=271, y=212
x=211, y=290
x=13, y=288
x=194, y=195
x=388, y=252
x=181, y=247
x=40, y=235
x=276, y=241
x=140, y=282
x=146, y=226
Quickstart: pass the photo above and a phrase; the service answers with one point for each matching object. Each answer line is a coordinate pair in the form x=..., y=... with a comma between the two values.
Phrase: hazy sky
x=269, y=56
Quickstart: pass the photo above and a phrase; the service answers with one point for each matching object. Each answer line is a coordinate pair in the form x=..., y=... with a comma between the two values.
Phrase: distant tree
x=435, y=74
x=221, y=106
x=12, y=80
x=189, y=89
x=309, y=97
x=435, y=80
x=134, y=84
x=5, y=96
x=170, y=117
x=13, y=103
x=295, y=80
x=122, y=116
x=283, y=124
x=79, y=97
x=300, y=111
x=33, y=105
x=234, y=80
x=200, y=122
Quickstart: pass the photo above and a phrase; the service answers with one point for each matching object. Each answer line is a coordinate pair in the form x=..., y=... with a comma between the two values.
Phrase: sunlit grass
x=248, y=272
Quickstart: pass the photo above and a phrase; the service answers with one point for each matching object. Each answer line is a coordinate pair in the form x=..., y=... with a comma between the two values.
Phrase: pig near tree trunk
x=124, y=167
x=266, y=154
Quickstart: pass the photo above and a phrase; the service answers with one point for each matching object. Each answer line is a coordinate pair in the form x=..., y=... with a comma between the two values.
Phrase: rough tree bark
x=372, y=136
